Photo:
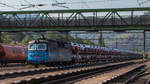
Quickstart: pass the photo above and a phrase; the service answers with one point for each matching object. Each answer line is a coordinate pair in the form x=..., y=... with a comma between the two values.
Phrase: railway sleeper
x=118, y=77
x=44, y=70
x=56, y=79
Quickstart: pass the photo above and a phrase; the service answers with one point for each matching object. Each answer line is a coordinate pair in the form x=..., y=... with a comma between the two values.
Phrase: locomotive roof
x=46, y=41
x=37, y=41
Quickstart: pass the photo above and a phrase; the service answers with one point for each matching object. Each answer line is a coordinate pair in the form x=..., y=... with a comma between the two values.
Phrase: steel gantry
x=76, y=20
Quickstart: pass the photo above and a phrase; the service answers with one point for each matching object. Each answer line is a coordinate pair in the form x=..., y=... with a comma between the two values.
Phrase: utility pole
x=67, y=36
x=116, y=43
x=0, y=37
x=144, y=45
x=76, y=36
x=101, y=42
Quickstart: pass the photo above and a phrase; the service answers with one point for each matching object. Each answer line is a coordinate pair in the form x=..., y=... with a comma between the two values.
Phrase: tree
x=19, y=36
x=7, y=38
x=12, y=42
x=26, y=40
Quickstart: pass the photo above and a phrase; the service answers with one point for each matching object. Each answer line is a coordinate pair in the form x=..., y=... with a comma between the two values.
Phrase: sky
x=15, y=5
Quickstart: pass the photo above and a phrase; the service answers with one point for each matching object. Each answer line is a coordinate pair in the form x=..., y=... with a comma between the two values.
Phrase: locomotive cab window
x=37, y=46
x=41, y=47
x=32, y=47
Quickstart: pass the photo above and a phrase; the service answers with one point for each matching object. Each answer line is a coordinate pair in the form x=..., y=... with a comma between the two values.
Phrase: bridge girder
x=76, y=20
x=77, y=10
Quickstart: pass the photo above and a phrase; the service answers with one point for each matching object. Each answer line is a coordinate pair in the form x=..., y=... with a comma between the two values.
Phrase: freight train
x=12, y=54
x=53, y=52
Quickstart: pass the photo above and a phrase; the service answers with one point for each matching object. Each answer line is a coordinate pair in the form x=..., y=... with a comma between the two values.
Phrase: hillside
x=122, y=40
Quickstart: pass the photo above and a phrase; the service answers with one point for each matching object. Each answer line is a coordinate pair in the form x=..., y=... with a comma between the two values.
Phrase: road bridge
x=76, y=20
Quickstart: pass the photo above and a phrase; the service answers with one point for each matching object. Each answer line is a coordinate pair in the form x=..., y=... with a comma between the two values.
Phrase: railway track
x=29, y=74
x=141, y=78
x=11, y=67
x=125, y=77
x=33, y=73
x=85, y=74
x=24, y=67
x=105, y=76
x=148, y=81
x=56, y=78
x=134, y=76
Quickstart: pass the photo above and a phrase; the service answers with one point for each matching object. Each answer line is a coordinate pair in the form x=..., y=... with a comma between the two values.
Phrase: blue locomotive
x=37, y=52
x=54, y=52
x=49, y=52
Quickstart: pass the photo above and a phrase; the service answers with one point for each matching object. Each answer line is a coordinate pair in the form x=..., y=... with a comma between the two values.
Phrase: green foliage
x=87, y=42
x=24, y=38
x=54, y=35
x=12, y=42
x=12, y=38
x=137, y=50
x=7, y=38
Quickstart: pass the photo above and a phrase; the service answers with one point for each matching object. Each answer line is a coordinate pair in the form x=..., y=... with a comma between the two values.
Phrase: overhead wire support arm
x=142, y=2
x=59, y=4
x=8, y=5
x=30, y=5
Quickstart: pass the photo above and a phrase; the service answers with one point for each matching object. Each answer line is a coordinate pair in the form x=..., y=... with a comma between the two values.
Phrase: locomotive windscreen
x=40, y=46
x=32, y=47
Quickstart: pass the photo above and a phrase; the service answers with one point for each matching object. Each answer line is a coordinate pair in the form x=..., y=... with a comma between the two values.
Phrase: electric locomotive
x=38, y=52
x=49, y=52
